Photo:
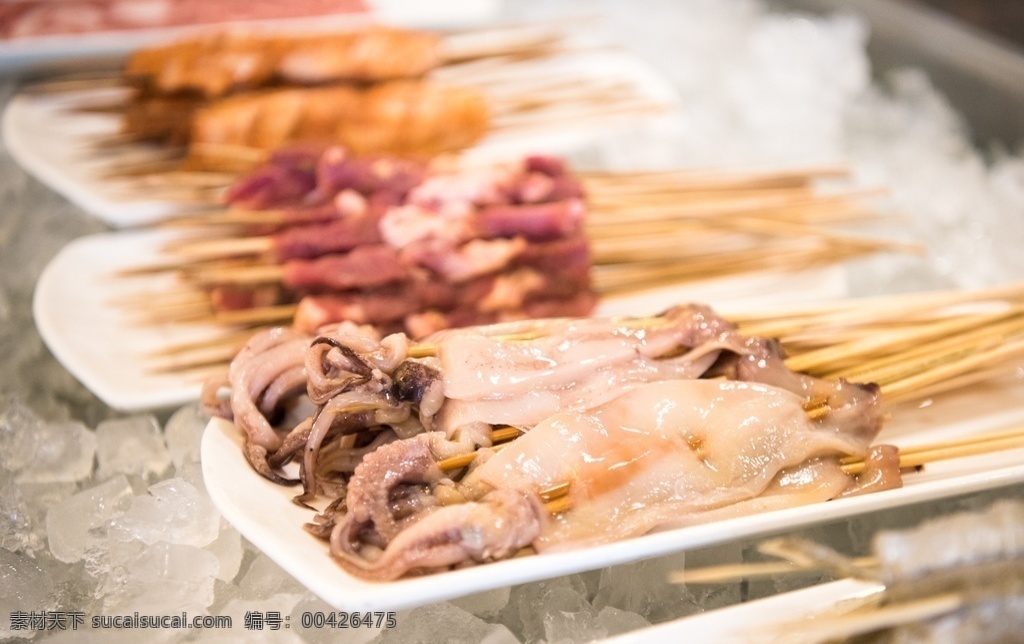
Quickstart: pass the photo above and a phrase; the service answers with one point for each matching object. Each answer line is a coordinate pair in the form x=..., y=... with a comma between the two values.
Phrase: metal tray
x=981, y=74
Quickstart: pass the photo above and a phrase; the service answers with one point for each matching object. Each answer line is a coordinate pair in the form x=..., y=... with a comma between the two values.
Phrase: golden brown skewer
x=457, y=54
x=433, y=117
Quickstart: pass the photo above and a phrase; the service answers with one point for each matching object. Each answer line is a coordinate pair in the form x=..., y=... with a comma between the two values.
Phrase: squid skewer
x=912, y=457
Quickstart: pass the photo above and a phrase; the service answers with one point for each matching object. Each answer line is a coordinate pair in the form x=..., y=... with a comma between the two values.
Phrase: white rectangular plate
x=75, y=312
x=758, y=622
x=54, y=143
x=264, y=513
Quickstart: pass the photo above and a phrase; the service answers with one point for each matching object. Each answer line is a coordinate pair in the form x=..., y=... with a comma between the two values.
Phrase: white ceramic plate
x=75, y=312
x=758, y=622
x=264, y=513
x=53, y=143
x=54, y=52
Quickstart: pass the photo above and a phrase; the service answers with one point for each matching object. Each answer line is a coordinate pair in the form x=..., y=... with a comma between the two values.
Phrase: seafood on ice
x=447, y=452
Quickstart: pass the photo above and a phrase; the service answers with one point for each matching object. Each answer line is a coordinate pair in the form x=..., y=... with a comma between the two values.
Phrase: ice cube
x=5, y=305
x=264, y=578
x=70, y=524
x=193, y=473
x=18, y=428
x=108, y=563
x=38, y=499
x=24, y=586
x=15, y=519
x=447, y=622
x=165, y=578
x=223, y=592
x=183, y=433
x=498, y=634
x=530, y=603
x=227, y=547
x=569, y=617
x=132, y=446
x=616, y=622
x=64, y=453
x=641, y=587
x=173, y=511
x=486, y=604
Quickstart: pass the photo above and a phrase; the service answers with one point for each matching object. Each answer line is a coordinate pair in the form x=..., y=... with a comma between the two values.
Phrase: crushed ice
x=101, y=512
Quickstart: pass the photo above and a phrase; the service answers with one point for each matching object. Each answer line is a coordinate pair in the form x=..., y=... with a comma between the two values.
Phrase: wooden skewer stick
x=837, y=628
x=198, y=358
x=281, y=312
x=953, y=448
x=221, y=248
x=665, y=247
x=893, y=367
x=753, y=570
x=608, y=279
x=237, y=338
x=224, y=217
x=935, y=367
x=499, y=437
x=664, y=205
x=711, y=176
x=906, y=389
x=782, y=322
x=839, y=354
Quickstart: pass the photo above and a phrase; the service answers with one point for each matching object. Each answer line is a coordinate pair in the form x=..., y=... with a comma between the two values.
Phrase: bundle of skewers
x=316, y=237
x=475, y=444
x=215, y=103
x=952, y=578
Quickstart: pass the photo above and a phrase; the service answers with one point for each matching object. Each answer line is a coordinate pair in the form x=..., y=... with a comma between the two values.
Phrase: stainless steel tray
x=981, y=74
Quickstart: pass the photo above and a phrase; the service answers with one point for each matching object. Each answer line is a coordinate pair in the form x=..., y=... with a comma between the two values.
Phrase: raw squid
x=665, y=453
x=571, y=364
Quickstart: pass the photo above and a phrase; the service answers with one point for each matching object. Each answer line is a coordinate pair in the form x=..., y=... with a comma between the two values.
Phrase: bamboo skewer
x=638, y=253
x=881, y=618
x=499, y=438
x=917, y=358
x=856, y=312
x=752, y=570
x=918, y=455
x=608, y=279
x=637, y=188
x=836, y=357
